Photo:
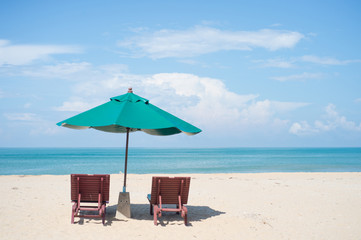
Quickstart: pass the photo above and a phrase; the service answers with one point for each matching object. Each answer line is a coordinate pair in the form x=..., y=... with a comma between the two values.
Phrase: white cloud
x=334, y=121
x=74, y=106
x=83, y=73
x=61, y=70
x=276, y=63
x=33, y=123
x=90, y=91
x=46, y=128
x=201, y=40
x=293, y=62
x=28, y=117
x=288, y=106
x=339, y=121
x=204, y=99
x=326, y=60
x=276, y=25
x=266, y=111
x=298, y=77
x=257, y=113
x=190, y=62
x=109, y=85
x=205, y=102
x=27, y=105
x=302, y=128
x=26, y=54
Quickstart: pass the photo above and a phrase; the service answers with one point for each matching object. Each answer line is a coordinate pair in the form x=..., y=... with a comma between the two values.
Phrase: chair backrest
x=90, y=185
x=169, y=188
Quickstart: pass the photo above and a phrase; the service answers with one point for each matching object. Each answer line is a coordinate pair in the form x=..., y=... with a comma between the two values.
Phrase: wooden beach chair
x=92, y=190
x=166, y=190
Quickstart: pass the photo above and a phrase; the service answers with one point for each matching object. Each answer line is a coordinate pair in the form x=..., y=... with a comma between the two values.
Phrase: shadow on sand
x=141, y=212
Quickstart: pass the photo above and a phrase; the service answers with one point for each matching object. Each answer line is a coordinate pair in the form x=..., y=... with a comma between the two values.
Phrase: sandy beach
x=221, y=206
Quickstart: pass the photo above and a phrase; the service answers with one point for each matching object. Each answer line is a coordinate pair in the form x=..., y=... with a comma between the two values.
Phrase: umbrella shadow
x=142, y=212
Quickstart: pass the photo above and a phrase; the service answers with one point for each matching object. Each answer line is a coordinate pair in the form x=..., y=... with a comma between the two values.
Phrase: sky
x=248, y=73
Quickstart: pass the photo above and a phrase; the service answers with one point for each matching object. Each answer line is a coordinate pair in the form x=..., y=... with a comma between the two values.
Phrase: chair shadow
x=142, y=212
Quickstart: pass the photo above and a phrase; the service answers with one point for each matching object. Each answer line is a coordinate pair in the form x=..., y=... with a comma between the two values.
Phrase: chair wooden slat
x=86, y=188
x=168, y=190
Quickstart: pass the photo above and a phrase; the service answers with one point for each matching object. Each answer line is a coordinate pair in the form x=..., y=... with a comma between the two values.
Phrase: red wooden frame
x=92, y=189
x=166, y=190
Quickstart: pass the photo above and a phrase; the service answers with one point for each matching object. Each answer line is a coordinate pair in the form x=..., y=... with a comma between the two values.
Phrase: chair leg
x=184, y=215
x=155, y=214
x=185, y=219
x=73, y=212
x=151, y=209
x=155, y=219
x=177, y=206
x=103, y=214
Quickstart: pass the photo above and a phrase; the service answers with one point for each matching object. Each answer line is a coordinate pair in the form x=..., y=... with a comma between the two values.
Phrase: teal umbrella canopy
x=129, y=113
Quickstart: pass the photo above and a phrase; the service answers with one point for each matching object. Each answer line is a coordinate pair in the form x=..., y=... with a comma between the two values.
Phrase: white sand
x=221, y=206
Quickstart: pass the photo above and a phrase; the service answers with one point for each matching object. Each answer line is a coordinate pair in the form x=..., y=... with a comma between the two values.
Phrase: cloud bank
x=202, y=40
x=298, y=77
x=204, y=101
x=333, y=121
x=296, y=61
x=11, y=54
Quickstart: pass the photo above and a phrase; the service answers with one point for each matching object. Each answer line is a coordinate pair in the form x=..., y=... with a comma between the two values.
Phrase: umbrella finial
x=130, y=90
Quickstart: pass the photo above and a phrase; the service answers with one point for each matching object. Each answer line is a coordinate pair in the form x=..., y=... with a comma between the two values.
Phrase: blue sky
x=248, y=73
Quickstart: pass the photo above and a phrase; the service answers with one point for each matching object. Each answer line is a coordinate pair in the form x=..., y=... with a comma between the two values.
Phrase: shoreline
x=183, y=174
x=301, y=205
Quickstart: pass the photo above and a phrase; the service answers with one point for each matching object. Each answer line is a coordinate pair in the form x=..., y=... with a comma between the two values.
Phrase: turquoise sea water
x=59, y=161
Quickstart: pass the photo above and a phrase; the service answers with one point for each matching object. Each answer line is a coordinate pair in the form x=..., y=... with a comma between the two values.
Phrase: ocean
x=61, y=161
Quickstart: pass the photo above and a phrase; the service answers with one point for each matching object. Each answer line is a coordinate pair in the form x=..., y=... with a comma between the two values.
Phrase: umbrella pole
x=126, y=162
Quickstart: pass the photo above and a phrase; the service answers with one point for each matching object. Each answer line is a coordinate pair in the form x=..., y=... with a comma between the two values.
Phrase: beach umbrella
x=129, y=113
